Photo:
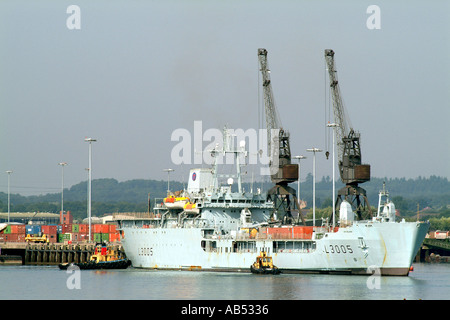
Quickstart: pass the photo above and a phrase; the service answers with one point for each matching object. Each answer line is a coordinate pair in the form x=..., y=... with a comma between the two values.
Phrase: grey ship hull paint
x=362, y=248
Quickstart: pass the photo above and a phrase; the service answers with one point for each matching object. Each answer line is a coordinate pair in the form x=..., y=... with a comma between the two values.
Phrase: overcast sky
x=138, y=70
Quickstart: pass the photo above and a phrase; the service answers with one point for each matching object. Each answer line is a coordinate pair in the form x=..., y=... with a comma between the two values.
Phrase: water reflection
x=427, y=281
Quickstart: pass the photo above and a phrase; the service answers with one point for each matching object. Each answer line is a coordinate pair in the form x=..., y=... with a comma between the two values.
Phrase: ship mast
x=227, y=148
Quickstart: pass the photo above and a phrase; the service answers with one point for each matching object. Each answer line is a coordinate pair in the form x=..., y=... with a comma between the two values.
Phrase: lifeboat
x=173, y=202
x=191, y=208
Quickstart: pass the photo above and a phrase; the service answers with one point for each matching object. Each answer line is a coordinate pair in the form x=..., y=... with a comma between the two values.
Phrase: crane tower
x=283, y=171
x=351, y=169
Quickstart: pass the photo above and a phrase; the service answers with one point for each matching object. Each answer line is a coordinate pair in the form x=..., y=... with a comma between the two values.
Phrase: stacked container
x=62, y=232
x=51, y=231
x=13, y=233
x=295, y=232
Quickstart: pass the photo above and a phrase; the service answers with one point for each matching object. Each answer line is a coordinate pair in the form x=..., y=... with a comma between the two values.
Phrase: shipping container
x=112, y=228
x=97, y=237
x=101, y=228
x=66, y=228
x=83, y=228
x=11, y=237
x=296, y=232
x=18, y=228
x=49, y=229
x=441, y=235
x=7, y=230
x=64, y=237
x=75, y=228
x=52, y=238
x=33, y=229
x=83, y=237
x=114, y=237
x=105, y=237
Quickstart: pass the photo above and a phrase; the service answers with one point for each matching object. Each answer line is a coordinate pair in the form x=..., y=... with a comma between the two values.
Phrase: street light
x=333, y=125
x=168, y=179
x=9, y=201
x=314, y=150
x=90, y=140
x=298, y=181
x=62, y=164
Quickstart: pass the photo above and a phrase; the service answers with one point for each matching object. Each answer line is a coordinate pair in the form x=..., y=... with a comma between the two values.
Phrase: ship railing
x=134, y=215
x=265, y=236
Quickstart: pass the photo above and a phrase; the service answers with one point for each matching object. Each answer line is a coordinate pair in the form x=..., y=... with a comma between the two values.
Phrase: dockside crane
x=351, y=169
x=282, y=171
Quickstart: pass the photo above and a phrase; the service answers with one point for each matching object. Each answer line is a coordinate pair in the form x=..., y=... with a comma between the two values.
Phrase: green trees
x=110, y=195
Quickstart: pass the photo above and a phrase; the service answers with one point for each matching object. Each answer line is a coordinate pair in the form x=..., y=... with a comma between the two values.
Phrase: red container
x=66, y=228
x=112, y=228
x=83, y=237
x=97, y=228
x=105, y=228
x=19, y=229
x=83, y=228
x=11, y=237
x=49, y=229
x=52, y=238
x=114, y=237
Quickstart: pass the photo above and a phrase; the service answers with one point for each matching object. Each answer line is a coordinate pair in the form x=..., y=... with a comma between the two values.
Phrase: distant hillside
x=109, y=195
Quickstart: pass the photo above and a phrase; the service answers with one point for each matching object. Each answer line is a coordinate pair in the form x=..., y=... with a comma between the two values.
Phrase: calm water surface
x=427, y=282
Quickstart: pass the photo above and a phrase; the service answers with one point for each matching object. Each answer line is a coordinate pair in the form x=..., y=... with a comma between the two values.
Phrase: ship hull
x=362, y=248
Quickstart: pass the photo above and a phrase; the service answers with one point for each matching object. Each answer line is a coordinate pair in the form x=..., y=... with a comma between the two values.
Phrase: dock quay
x=50, y=253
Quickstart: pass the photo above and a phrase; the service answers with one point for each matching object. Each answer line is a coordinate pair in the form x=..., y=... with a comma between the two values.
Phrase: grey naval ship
x=209, y=227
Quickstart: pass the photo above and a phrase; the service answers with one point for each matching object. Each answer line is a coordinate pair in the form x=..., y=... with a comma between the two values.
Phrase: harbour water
x=426, y=282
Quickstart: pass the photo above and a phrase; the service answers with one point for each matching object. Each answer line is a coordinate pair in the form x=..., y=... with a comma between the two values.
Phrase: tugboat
x=264, y=265
x=104, y=257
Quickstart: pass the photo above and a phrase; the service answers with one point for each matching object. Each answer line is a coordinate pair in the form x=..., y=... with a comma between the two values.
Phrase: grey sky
x=138, y=70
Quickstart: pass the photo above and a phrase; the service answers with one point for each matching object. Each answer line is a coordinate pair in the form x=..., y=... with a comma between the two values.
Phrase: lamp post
x=9, y=200
x=90, y=140
x=62, y=164
x=168, y=178
x=314, y=150
x=333, y=125
x=298, y=181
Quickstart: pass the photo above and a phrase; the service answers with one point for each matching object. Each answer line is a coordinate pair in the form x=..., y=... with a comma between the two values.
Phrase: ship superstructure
x=216, y=228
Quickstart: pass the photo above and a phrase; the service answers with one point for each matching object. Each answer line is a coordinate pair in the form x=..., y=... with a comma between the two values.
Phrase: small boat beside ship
x=104, y=257
x=264, y=265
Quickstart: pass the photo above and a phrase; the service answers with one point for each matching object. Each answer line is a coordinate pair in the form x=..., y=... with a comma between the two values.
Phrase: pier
x=435, y=250
x=51, y=253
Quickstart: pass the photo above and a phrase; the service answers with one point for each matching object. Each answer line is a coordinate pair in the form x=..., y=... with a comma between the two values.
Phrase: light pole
x=9, y=200
x=333, y=125
x=168, y=178
x=298, y=181
x=62, y=164
x=314, y=150
x=90, y=140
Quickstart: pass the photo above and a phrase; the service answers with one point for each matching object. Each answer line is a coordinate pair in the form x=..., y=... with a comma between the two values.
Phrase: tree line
x=110, y=195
